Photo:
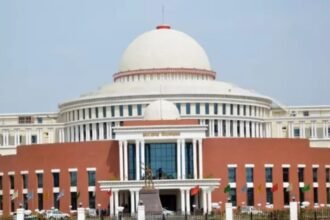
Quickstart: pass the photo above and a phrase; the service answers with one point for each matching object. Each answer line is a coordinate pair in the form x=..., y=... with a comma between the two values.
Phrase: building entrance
x=169, y=202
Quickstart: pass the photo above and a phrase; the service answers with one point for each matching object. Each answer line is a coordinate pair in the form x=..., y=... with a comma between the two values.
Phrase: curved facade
x=165, y=109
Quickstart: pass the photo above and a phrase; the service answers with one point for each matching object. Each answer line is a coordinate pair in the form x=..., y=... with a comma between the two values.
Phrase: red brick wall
x=103, y=155
x=218, y=152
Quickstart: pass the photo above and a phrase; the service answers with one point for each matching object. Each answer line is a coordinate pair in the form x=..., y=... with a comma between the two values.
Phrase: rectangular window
x=249, y=174
x=1, y=202
x=327, y=175
x=250, y=108
x=286, y=196
x=269, y=196
x=40, y=201
x=244, y=110
x=233, y=196
x=130, y=110
x=238, y=110
x=84, y=116
x=198, y=108
x=305, y=113
x=12, y=206
x=73, y=178
x=328, y=196
x=56, y=179
x=316, y=195
x=40, y=180
x=91, y=200
x=74, y=200
x=315, y=171
x=104, y=112
x=139, y=109
x=207, y=108
x=34, y=139
x=215, y=109
x=25, y=181
x=285, y=174
x=12, y=181
x=178, y=106
x=224, y=109
x=91, y=178
x=187, y=108
x=1, y=184
x=269, y=174
x=296, y=132
x=25, y=202
x=232, y=174
x=231, y=109
x=39, y=120
x=112, y=111
x=56, y=202
x=73, y=116
x=301, y=194
x=121, y=111
x=301, y=174
x=250, y=197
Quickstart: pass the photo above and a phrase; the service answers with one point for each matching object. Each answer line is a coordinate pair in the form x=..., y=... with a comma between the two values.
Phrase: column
x=81, y=138
x=28, y=136
x=137, y=159
x=210, y=128
x=178, y=152
x=111, y=204
x=142, y=156
x=205, y=208
x=115, y=194
x=241, y=129
x=227, y=128
x=77, y=133
x=257, y=129
x=121, y=168
x=220, y=128
x=325, y=131
x=109, y=130
x=200, y=158
x=88, y=137
x=182, y=201
x=125, y=161
x=247, y=124
x=187, y=201
x=183, y=154
x=261, y=130
x=39, y=139
x=137, y=199
x=94, y=131
x=234, y=127
x=313, y=133
x=16, y=137
x=209, y=201
x=195, y=158
x=132, y=201
x=253, y=129
x=101, y=131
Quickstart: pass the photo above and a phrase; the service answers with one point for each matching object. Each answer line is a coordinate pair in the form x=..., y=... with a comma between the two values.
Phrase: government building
x=167, y=112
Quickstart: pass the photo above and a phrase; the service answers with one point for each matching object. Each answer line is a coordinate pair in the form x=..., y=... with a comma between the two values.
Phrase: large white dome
x=164, y=48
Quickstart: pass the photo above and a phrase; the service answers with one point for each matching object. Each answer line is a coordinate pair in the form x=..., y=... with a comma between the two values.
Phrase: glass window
x=233, y=196
x=40, y=201
x=249, y=174
x=74, y=200
x=112, y=111
x=1, y=184
x=215, y=109
x=56, y=179
x=189, y=161
x=301, y=194
x=25, y=181
x=269, y=174
x=89, y=113
x=104, y=112
x=131, y=162
x=232, y=174
x=178, y=106
x=139, y=109
x=121, y=111
x=1, y=202
x=73, y=178
x=84, y=116
x=301, y=174
x=315, y=171
x=250, y=197
x=328, y=196
x=40, y=180
x=91, y=200
x=198, y=108
x=161, y=158
x=286, y=196
x=91, y=178
x=187, y=108
x=130, y=110
x=207, y=108
x=39, y=120
x=296, y=132
x=285, y=174
x=97, y=112
x=244, y=110
x=12, y=181
x=316, y=195
x=327, y=175
x=56, y=202
x=238, y=109
x=34, y=139
x=231, y=109
x=224, y=109
x=269, y=195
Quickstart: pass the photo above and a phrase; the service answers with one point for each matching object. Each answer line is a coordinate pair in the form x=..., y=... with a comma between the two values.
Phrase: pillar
x=137, y=159
x=204, y=201
x=229, y=211
x=200, y=158
x=93, y=131
x=220, y=128
x=142, y=156
x=293, y=210
x=183, y=158
x=125, y=161
x=132, y=201
x=178, y=152
x=115, y=194
x=111, y=204
x=234, y=128
x=253, y=129
x=101, y=131
x=121, y=167
x=39, y=138
x=182, y=197
x=187, y=201
x=209, y=202
x=241, y=129
x=195, y=158
x=247, y=125
x=227, y=128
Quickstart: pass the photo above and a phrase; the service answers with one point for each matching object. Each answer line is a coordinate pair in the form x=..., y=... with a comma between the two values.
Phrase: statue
x=148, y=182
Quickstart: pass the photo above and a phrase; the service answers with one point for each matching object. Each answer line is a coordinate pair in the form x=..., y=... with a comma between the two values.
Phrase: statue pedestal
x=151, y=201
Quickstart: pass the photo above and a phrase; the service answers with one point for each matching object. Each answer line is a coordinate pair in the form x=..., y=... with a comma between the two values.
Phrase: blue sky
x=54, y=50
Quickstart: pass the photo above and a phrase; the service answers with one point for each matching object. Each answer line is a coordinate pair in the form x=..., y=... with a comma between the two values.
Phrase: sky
x=53, y=51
